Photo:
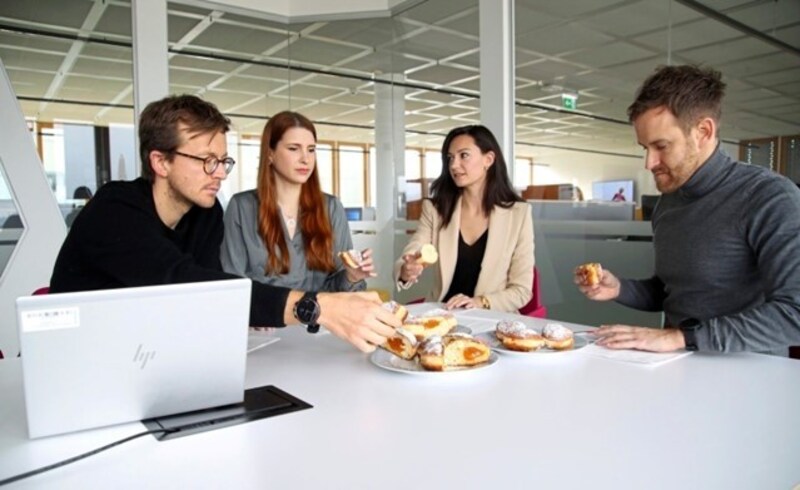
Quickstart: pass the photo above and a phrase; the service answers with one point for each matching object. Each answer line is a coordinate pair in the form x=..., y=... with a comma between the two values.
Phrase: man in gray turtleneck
x=726, y=234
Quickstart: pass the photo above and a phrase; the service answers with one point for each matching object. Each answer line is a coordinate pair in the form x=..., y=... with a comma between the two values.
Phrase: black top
x=468, y=266
x=119, y=241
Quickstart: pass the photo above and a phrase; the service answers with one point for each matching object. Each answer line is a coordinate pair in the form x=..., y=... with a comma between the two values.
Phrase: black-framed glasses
x=210, y=163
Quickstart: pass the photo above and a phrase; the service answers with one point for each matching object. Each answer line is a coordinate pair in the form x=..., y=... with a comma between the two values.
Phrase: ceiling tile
x=609, y=54
x=561, y=39
x=311, y=51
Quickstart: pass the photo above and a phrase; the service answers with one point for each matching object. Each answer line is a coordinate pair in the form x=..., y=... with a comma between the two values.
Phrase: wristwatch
x=307, y=311
x=689, y=328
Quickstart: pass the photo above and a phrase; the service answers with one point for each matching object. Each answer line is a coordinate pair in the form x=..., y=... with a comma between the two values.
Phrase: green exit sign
x=569, y=101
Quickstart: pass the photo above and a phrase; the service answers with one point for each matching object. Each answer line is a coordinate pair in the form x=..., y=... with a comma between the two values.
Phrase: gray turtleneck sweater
x=727, y=253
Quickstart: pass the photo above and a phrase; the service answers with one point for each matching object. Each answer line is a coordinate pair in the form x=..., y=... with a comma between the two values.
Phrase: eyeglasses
x=211, y=163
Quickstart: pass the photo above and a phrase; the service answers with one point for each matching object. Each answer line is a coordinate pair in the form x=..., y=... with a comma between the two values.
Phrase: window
x=352, y=175
x=523, y=176
x=412, y=164
x=433, y=164
x=247, y=161
x=325, y=167
x=761, y=152
x=373, y=177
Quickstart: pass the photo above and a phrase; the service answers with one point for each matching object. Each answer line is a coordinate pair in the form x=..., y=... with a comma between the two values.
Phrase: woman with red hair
x=287, y=232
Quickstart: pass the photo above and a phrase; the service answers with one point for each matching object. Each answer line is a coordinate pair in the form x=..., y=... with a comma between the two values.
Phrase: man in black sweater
x=726, y=234
x=166, y=227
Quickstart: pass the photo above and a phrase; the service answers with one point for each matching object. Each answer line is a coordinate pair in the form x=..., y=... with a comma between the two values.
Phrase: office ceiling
x=598, y=49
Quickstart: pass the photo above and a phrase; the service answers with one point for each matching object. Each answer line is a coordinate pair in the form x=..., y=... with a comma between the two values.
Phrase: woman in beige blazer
x=482, y=229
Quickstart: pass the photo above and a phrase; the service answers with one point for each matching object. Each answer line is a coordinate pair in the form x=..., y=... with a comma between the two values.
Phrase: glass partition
x=72, y=75
x=11, y=225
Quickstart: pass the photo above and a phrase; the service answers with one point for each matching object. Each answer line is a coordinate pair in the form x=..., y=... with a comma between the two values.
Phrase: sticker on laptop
x=50, y=319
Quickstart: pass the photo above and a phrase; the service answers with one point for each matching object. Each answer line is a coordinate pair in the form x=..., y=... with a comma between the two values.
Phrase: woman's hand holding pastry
x=358, y=271
x=463, y=301
x=411, y=269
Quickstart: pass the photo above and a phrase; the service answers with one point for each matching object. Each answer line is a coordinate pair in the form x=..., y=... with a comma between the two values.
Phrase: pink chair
x=535, y=308
x=42, y=290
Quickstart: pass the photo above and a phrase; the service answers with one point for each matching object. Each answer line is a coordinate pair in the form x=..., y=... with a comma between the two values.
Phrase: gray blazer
x=243, y=252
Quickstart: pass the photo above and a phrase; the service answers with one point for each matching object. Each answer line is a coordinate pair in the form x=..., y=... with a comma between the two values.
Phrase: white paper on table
x=258, y=340
x=633, y=356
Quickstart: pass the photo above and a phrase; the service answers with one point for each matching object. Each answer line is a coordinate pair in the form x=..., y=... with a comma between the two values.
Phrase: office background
x=385, y=86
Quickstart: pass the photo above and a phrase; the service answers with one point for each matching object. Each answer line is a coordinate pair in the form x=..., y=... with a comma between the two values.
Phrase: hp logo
x=143, y=356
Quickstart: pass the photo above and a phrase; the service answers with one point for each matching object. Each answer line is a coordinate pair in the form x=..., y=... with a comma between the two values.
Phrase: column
x=150, y=62
x=390, y=143
x=497, y=73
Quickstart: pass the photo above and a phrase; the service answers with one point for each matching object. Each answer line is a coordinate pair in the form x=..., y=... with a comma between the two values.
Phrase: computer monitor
x=613, y=190
x=353, y=214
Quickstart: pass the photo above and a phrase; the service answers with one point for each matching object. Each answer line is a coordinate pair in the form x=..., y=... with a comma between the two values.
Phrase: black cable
x=192, y=425
x=79, y=457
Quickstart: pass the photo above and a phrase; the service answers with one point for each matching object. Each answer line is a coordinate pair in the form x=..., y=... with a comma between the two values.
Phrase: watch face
x=307, y=310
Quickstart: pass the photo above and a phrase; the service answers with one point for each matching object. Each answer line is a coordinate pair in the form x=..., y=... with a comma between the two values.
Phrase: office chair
x=535, y=308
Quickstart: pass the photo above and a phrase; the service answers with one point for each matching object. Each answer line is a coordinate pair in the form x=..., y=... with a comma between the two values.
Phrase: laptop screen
x=104, y=357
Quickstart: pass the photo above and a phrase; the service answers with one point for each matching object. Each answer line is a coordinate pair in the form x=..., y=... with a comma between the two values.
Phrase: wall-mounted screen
x=353, y=214
x=613, y=190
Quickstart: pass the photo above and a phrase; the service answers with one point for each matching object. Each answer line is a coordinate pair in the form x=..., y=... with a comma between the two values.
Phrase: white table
x=547, y=421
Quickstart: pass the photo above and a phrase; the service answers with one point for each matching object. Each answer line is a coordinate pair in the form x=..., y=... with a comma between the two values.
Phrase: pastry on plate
x=517, y=336
x=558, y=337
x=434, y=322
x=403, y=344
x=397, y=309
x=590, y=273
x=452, y=351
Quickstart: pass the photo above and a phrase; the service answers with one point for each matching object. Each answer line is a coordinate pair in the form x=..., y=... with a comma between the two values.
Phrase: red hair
x=313, y=213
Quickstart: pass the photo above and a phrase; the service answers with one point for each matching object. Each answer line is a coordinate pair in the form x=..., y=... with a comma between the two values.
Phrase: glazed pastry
x=403, y=344
x=452, y=351
x=558, y=337
x=435, y=322
x=517, y=336
x=352, y=258
x=590, y=273
x=431, y=353
x=397, y=309
x=427, y=255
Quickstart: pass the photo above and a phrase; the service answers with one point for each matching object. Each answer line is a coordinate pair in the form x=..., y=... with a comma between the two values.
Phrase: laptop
x=98, y=358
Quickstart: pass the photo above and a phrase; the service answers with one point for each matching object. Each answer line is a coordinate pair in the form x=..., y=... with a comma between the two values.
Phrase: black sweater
x=118, y=241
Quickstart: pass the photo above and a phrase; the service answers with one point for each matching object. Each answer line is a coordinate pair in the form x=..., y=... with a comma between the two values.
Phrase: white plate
x=386, y=360
x=493, y=342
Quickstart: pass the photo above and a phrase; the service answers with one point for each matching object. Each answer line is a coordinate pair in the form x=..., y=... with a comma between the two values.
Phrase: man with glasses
x=166, y=227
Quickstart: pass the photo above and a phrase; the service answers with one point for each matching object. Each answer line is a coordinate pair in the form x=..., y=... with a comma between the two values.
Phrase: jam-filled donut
x=455, y=350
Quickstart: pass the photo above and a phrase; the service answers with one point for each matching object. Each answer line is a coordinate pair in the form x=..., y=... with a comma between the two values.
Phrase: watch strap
x=689, y=329
x=309, y=299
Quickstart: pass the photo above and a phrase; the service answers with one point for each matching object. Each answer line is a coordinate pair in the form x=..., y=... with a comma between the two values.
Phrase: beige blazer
x=506, y=276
